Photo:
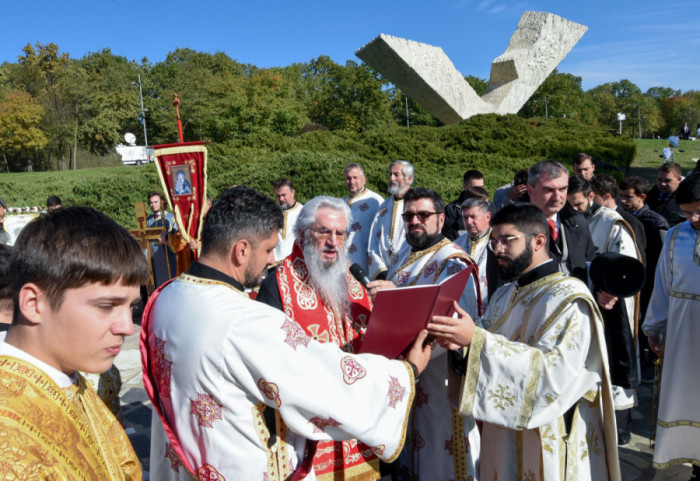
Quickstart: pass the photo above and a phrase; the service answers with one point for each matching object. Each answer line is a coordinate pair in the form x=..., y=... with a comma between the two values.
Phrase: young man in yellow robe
x=75, y=276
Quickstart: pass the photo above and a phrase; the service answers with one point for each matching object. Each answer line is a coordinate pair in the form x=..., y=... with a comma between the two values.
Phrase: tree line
x=52, y=106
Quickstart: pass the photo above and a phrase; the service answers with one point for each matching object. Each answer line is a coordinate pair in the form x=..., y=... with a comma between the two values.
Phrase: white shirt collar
x=63, y=380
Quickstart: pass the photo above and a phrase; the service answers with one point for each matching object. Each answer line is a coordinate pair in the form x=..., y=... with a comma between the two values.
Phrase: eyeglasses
x=422, y=215
x=323, y=233
x=691, y=215
x=504, y=241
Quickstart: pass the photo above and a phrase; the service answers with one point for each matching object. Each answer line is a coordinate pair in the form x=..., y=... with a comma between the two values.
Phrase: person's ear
x=241, y=252
x=540, y=242
x=32, y=302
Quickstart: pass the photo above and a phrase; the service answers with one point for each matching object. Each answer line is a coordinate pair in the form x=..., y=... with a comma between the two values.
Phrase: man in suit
x=570, y=242
x=662, y=197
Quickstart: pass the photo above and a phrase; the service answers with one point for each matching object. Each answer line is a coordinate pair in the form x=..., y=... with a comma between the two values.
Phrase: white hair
x=307, y=216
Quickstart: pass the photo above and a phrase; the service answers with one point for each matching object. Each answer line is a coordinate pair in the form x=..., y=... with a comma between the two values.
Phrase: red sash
x=301, y=303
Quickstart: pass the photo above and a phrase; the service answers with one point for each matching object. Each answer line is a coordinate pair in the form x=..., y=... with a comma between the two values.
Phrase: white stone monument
x=427, y=75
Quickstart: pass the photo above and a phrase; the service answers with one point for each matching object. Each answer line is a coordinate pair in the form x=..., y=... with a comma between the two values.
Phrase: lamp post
x=142, y=117
x=620, y=118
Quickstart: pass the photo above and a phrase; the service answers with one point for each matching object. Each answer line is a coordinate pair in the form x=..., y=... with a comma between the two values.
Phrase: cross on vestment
x=146, y=235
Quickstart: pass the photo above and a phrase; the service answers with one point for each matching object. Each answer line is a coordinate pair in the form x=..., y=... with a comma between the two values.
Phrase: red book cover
x=400, y=314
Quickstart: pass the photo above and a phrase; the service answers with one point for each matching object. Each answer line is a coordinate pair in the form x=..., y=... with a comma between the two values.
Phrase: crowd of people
x=253, y=357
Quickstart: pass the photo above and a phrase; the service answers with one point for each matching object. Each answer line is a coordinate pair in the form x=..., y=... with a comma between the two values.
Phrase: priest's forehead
x=331, y=218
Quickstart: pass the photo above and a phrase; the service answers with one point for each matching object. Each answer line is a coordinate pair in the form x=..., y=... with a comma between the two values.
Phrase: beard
x=419, y=239
x=252, y=279
x=327, y=279
x=510, y=271
x=396, y=189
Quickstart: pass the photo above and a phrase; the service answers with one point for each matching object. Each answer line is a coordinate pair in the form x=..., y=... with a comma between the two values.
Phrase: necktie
x=553, y=230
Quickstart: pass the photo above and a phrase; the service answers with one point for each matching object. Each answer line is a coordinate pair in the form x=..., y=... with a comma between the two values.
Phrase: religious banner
x=182, y=169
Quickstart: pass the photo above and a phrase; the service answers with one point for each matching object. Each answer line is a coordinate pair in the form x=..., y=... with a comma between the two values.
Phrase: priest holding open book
x=442, y=446
x=536, y=368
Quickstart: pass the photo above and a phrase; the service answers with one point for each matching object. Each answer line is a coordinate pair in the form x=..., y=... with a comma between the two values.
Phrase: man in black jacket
x=472, y=186
x=662, y=197
x=570, y=243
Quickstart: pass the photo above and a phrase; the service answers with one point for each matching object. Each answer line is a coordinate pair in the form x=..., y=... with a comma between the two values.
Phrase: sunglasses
x=422, y=215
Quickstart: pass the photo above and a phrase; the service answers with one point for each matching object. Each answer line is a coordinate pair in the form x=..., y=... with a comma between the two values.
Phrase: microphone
x=359, y=273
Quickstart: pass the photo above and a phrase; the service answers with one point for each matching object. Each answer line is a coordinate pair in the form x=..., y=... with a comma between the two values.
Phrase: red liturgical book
x=400, y=314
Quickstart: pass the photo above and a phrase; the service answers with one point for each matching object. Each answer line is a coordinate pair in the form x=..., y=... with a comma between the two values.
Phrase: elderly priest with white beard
x=314, y=287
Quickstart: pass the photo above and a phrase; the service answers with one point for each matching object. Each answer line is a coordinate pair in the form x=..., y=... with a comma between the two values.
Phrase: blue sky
x=651, y=43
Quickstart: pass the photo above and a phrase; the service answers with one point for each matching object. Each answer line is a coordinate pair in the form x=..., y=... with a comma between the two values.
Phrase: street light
x=142, y=118
x=620, y=118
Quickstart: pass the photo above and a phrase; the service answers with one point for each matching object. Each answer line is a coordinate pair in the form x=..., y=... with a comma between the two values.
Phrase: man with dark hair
x=672, y=322
x=364, y=204
x=584, y=166
x=536, y=369
x=605, y=191
x=570, y=243
x=237, y=394
x=477, y=221
x=430, y=258
x=53, y=202
x=387, y=236
x=610, y=233
x=515, y=191
x=314, y=287
x=453, y=213
x=163, y=258
x=662, y=197
x=285, y=195
x=71, y=313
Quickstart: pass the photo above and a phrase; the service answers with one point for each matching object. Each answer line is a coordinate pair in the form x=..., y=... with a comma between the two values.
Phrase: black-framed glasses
x=324, y=233
x=422, y=215
x=505, y=241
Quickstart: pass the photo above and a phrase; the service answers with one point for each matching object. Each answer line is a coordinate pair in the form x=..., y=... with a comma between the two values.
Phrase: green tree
x=20, y=128
x=558, y=96
x=349, y=97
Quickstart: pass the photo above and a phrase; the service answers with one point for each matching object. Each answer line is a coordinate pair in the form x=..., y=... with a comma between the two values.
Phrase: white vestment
x=611, y=233
x=675, y=308
x=364, y=207
x=219, y=358
x=444, y=445
x=386, y=236
x=287, y=234
x=478, y=251
x=539, y=360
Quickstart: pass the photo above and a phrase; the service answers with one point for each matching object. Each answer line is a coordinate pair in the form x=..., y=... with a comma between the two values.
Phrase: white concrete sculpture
x=427, y=75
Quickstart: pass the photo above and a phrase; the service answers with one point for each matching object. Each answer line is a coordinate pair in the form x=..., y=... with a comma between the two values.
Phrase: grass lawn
x=647, y=161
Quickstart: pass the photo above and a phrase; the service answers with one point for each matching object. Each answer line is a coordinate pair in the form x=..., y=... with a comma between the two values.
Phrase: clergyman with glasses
x=536, y=369
x=314, y=287
x=428, y=258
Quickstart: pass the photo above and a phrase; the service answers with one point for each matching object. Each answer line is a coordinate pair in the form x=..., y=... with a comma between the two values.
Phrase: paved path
x=635, y=458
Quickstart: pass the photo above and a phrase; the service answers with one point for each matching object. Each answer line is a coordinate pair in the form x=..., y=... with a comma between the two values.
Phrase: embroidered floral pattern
x=209, y=473
x=421, y=397
x=502, y=397
x=270, y=391
x=206, y=410
x=171, y=456
x=352, y=370
x=356, y=227
x=162, y=368
x=430, y=270
x=418, y=441
x=396, y=392
x=402, y=278
x=364, y=206
x=295, y=334
x=321, y=423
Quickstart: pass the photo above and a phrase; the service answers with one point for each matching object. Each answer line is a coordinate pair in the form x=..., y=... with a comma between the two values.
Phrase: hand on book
x=376, y=286
x=453, y=333
x=419, y=354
